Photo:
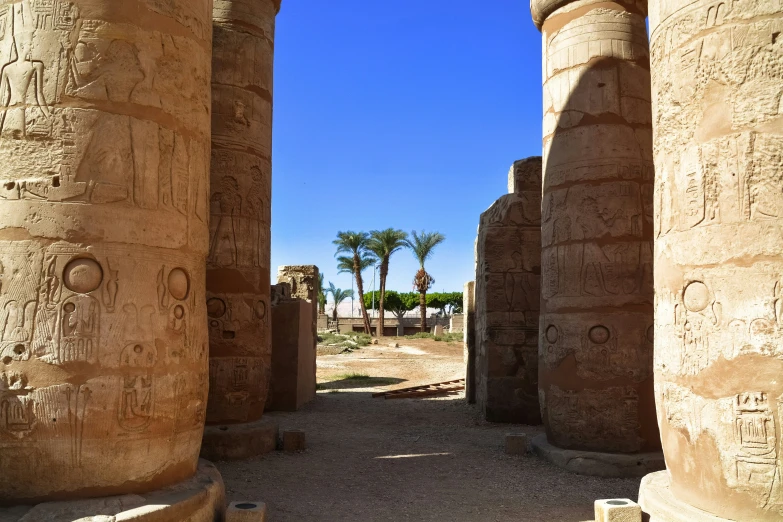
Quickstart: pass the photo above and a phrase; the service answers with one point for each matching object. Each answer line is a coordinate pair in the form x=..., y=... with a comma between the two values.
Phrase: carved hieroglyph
x=717, y=84
x=596, y=335
x=238, y=272
x=507, y=300
x=104, y=151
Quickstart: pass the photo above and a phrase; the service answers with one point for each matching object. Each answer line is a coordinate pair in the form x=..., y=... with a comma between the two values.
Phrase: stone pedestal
x=719, y=255
x=660, y=505
x=240, y=441
x=507, y=300
x=293, y=356
x=198, y=499
x=104, y=147
x=240, y=216
x=469, y=338
x=596, y=334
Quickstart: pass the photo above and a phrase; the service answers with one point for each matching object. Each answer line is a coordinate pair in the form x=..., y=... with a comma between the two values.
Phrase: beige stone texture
x=596, y=335
x=659, y=504
x=507, y=300
x=198, y=499
x=104, y=204
x=469, y=340
x=246, y=511
x=717, y=84
x=240, y=441
x=293, y=356
x=617, y=510
x=303, y=283
x=240, y=210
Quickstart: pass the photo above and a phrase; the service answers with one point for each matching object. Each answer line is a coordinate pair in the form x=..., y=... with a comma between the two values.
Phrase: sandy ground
x=407, y=459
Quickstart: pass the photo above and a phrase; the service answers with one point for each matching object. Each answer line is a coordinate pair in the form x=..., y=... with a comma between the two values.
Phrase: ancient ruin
x=596, y=334
x=507, y=300
x=104, y=147
x=717, y=87
x=469, y=340
x=238, y=271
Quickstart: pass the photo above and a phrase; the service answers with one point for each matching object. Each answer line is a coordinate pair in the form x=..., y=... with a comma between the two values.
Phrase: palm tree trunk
x=384, y=274
x=360, y=289
x=423, y=310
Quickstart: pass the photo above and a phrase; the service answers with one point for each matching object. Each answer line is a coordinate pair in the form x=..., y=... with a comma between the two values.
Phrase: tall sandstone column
x=717, y=84
x=507, y=300
x=104, y=169
x=596, y=330
x=238, y=274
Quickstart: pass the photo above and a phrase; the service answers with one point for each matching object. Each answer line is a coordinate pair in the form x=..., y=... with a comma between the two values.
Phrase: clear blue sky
x=402, y=114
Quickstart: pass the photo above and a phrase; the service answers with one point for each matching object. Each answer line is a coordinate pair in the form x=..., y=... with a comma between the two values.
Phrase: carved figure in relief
x=79, y=329
x=110, y=288
x=16, y=406
x=18, y=321
x=138, y=387
x=696, y=318
x=256, y=200
x=226, y=212
x=21, y=88
x=76, y=398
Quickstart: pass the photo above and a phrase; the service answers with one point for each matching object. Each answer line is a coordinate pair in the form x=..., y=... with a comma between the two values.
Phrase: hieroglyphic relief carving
x=717, y=86
x=597, y=225
x=507, y=297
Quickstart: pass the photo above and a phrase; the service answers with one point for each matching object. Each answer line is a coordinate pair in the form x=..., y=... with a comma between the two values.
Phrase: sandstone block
x=240, y=441
x=517, y=444
x=246, y=511
x=469, y=339
x=617, y=510
x=294, y=440
x=293, y=356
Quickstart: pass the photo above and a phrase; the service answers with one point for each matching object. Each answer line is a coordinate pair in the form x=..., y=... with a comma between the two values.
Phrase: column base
x=610, y=465
x=199, y=499
x=239, y=441
x=658, y=501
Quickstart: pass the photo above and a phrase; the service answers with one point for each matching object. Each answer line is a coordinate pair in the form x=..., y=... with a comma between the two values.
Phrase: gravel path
x=408, y=459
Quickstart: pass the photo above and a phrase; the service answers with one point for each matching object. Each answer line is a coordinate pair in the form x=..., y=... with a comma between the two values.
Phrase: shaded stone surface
x=198, y=499
x=104, y=147
x=240, y=441
x=293, y=356
x=596, y=463
x=660, y=505
x=246, y=511
x=507, y=300
x=596, y=336
x=469, y=340
x=719, y=267
x=238, y=270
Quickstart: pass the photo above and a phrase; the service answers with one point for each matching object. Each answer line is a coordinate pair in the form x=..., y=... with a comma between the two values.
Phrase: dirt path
x=407, y=459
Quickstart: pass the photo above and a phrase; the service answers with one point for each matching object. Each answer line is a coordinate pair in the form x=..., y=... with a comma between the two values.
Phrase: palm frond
x=383, y=243
x=424, y=244
x=351, y=242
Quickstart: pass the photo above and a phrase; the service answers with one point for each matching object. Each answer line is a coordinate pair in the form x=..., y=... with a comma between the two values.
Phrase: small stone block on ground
x=246, y=511
x=617, y=510
x=294, y=440
x=516, y=443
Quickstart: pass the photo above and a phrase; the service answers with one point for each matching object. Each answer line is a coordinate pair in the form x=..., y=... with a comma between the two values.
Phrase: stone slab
x=517, y=444
x=294, y=440
x=660, y=504
x=293, y=356
x=246, y=511
x=198, y=499
x=618, y=465
x=617, y=510
x=239, y=441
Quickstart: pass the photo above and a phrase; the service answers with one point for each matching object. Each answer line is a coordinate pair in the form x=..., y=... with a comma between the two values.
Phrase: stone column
x=469, y=340
x=507, y=300
x=238, y=272
x=104, y=148
x=717, y=83
x=595, y=346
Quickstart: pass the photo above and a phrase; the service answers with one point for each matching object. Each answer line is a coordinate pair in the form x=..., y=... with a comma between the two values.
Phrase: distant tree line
x=400, y=303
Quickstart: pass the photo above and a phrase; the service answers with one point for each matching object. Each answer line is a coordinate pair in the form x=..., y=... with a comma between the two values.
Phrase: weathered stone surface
x=240, y=441
x=294, y=440
x=293, y=356
x=617, y=510
x=717, y=87
x=597, y=463
x=198, y=499
x=507, y=298
x=238, y=278
x=104, y=148
x=596, y=335
x=660, y=505
x=246, y=511
x=469, y=339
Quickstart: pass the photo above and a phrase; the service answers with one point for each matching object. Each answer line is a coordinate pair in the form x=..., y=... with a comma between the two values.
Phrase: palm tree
x=422, y=245
x=321, y=295
x=355, y=244
x=382, y=244
x=338, y=295
x=345, y=266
